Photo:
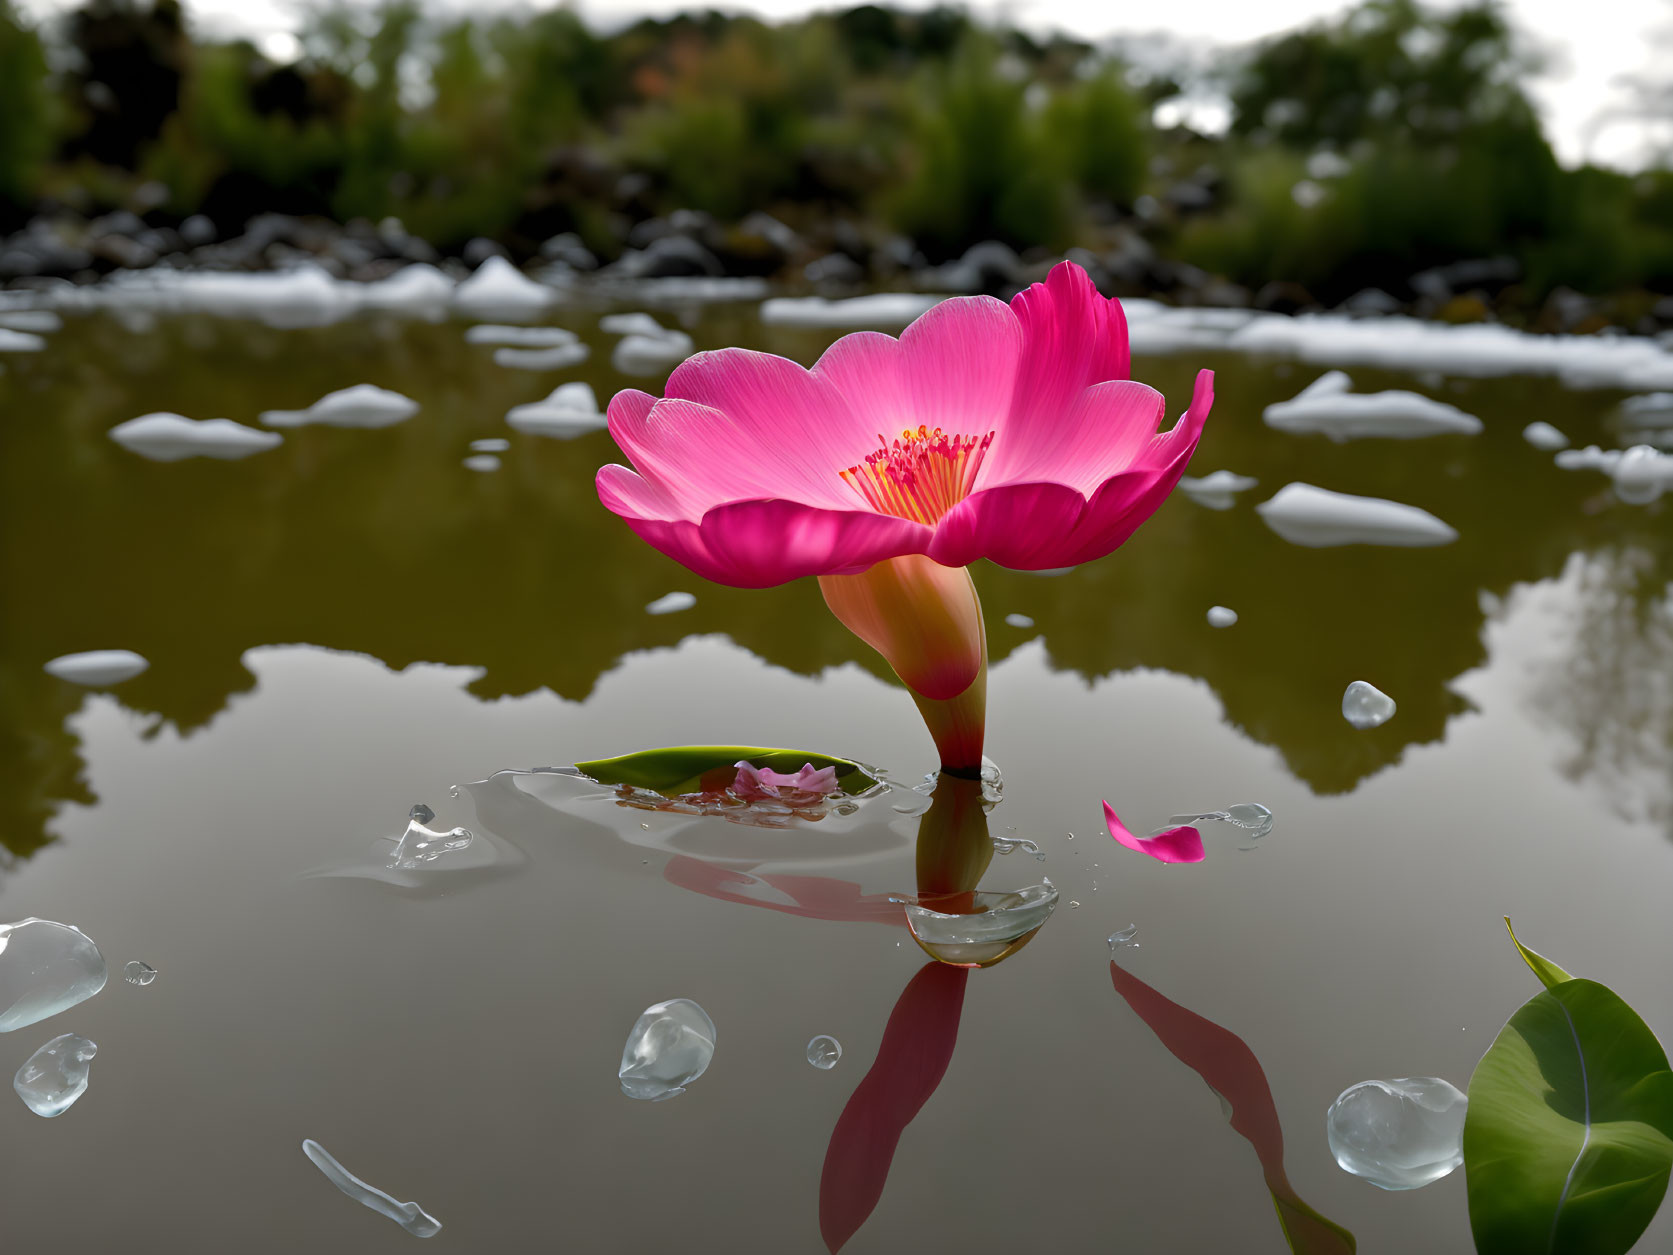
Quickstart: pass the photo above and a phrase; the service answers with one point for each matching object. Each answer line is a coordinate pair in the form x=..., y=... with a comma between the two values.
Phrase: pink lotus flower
x=1007, y=432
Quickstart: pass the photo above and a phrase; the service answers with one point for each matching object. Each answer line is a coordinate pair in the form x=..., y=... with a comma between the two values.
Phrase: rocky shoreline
x=839, y=259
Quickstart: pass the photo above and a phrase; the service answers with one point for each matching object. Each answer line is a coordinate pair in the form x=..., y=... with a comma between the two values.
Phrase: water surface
x=354, y=622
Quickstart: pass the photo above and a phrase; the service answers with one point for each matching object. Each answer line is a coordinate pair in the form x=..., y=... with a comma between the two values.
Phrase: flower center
x=921, y=475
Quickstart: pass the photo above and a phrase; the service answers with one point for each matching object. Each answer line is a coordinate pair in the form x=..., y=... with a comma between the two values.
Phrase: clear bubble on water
x=823, y=1052
x=669, y=1047
x=1123, y=937
x=1399, y=1134
x=55, y=1076
x=137, y=973
x=1366, y=706
x=995, y=925
x=45, y=968
x=1251, y=816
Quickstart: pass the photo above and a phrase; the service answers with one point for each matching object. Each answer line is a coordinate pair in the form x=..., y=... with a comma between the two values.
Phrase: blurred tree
x=1387, y=69
x=983, y=164
x=1105, y=130
x=129, y=60
x=26, y=120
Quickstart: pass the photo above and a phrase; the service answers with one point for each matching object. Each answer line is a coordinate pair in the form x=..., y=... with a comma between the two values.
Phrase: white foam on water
x=165, y=437
x=305, y=296
x=1327, y=407
x=558, y=357
x=881, y=309
x=97, y=668
x=1318, y=518
x=637, y=323
x=1406, y=344
x=650, y=355
x=36, y=321
x=571, y=410
x=520, y=337
x=499, y=290
x=363, y=405
x=20, y=342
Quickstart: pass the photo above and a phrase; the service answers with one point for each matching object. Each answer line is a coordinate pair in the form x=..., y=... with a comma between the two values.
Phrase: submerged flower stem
x=926, y=620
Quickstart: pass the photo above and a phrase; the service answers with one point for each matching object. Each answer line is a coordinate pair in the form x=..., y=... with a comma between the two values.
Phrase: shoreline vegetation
x=1386, y=161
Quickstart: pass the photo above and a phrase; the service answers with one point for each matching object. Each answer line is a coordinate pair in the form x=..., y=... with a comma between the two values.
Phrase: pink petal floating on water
x=1176, y=845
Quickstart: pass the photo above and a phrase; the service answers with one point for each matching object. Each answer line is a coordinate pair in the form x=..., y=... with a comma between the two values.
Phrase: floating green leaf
x=1549, y=973
x=682, y=768
x=1568, y=1142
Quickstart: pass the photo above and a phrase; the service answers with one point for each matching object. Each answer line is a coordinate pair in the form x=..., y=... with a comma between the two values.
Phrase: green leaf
x=681, y=768
x=1568, y=1141
x=1544, y=968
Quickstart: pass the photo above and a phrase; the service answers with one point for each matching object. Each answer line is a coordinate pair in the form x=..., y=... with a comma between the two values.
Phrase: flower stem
x=926, y=620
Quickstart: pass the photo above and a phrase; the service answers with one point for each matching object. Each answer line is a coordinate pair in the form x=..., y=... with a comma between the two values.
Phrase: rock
x=1370, y=303
x=834, y=269
x=569, y=249
x=759, y=245
x=669, y=257
x=1464, y=309
x=481, y=249
x=1282, y=297
x=197, y=231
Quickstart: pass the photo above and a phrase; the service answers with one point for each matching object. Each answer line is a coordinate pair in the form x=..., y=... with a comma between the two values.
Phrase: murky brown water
x=354, y=622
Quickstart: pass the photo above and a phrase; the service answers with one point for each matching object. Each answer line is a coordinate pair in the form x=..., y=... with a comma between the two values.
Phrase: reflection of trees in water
x=379, y=542
x=1609, y=681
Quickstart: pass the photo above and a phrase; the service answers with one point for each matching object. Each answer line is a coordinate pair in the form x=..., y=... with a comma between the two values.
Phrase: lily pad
x=693, y=768
x=1568, y=1143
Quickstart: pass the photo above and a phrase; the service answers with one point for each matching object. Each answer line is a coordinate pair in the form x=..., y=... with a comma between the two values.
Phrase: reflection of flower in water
x=1608, y=682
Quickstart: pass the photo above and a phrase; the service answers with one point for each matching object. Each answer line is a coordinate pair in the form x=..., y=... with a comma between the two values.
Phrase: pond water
x=354, y=622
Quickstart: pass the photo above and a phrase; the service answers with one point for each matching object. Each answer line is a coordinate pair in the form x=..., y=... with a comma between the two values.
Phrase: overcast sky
x=1591, y=44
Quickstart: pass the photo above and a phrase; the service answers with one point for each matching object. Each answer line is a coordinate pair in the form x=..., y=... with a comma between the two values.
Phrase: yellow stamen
x=921, y=475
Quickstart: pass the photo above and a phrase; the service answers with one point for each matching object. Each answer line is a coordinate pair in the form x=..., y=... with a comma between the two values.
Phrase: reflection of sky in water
x=1526, y=772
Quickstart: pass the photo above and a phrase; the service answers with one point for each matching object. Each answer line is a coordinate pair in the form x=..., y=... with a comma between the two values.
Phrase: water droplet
x=1074, y=904
x=823, y=1052
x=425, y=859
x=421, y=844
x=1366, y=706
x=137, y=973
x=1009, y=845
x=45, y=968
x=996, y=925
x=1019, y=621
x=668, y=1048
x=1071, y=836
x=671, y=603
x=1221, y=616
x=1124, y=937
x=1398, y=1134
x=55, y=1076
x=410, y=1216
